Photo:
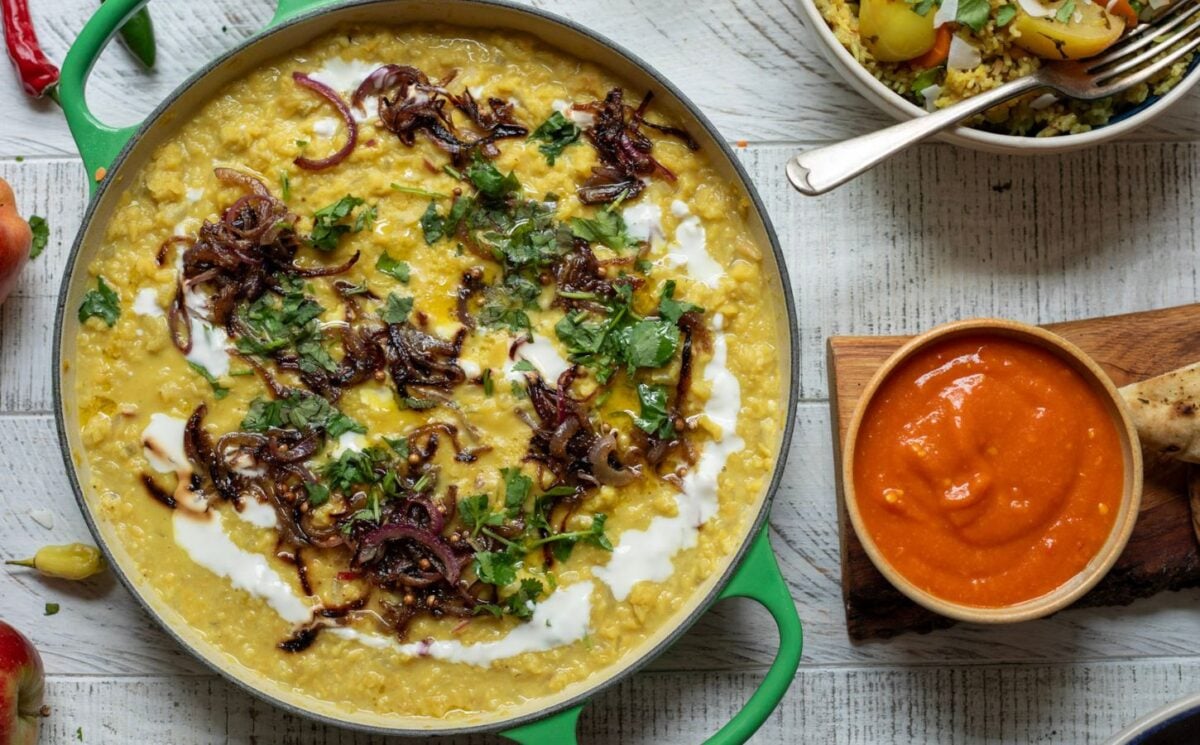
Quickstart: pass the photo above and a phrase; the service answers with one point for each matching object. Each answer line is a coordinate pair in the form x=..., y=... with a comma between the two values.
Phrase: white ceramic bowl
x=897, y=106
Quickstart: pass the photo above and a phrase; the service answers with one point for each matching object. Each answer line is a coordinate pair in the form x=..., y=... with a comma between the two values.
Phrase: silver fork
x=1138, y=56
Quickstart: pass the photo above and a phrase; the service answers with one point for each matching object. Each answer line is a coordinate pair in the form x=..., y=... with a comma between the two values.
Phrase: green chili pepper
x=138, y=36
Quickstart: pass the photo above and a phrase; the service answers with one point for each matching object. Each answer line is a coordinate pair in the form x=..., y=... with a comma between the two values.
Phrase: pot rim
x=490, y=721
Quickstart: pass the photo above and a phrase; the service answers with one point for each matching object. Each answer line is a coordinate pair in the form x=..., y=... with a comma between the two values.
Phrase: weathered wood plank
x=734, y=636
x=1080, y=703
x=762, y=78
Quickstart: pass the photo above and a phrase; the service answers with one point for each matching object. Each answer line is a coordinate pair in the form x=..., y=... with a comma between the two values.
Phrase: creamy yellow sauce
x=129, y=372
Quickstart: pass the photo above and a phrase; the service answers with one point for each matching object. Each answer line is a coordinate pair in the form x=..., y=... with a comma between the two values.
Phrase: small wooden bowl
x=1131, y=498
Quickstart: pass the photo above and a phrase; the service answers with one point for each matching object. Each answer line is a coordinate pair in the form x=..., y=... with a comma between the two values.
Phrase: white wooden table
x=939, y=234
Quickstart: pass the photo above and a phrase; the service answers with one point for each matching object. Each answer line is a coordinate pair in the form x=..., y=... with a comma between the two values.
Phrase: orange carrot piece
x=940, y=50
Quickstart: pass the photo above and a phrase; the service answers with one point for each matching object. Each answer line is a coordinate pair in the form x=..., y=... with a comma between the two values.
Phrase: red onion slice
x=384, y=79
x=311, y=164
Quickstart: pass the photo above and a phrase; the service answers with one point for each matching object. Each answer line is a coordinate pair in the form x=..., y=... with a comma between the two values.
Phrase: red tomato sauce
x=987, y=470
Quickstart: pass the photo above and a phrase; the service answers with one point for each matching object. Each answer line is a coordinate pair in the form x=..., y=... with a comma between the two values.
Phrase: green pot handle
x=98, y=142
x=759, y=579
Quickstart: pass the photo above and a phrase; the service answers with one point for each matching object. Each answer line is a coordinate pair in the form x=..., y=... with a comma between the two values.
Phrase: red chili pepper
x=37, y=72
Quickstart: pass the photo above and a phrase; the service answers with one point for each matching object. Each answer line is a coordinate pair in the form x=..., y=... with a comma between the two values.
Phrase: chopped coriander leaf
x=102, y=303
x=300, y=410
x=922, y=7
x=219, y=391
x=328, y=225
x=419, y=192
x=485, y=177
x=655, y=418
x=393, y=267
x=518, y=604
x=475, y=512
x=417, y=404
x=397, y=309
x=433, y=225
x=672, y=309
x=496, y=567
x=974, y=14
x=504, y=304
x=41, y=234
x=366, y=219
x=650, y=343
x=607, y=228
x=1065, y=11
x=301, y=144
x=354, y=468
x=1004, y=15
x=285, y=185
x=489, y=386
x=452, y=172
x=517, y=487
x=273, y=323
x=563, y=543
x=51, y=609
x=643, y=265
x=399, y=445
x=555, y=134
x=318, y=493
x=524, y=366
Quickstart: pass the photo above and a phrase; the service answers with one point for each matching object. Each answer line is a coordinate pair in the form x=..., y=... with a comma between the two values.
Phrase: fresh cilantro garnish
x=393, y=267
x=924, y=79
x=519, y=603
x=433, y=225
x=496, y=567
x=419, y=192
x=397, y=308
x=51, y=609
x=399, y=446
x=488, y=385
x=1004, y=16
x=219, y=391
x=651, y=342
x=300, y=410
x=643, y=265
x=672, y=309
x=329, y=226
x=524, y=366
x=655, y=418
x=1065, y=11
x=922, y=7
x=318, y=493
x=285, y=185
x=102, y=303
x=41, y=234
x=475, y=512
x=973, y=13
x=607, y=228
x=274, y=323
x=485, y=177
x=505, y=303
x=562, y=544
x=555, y=134
x=517, y=487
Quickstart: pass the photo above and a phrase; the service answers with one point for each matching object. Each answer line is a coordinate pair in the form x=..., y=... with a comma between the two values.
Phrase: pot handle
x=759, y=579
x=99, y=143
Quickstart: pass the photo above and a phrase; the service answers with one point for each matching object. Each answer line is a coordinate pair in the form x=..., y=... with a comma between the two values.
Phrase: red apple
x=22, y=684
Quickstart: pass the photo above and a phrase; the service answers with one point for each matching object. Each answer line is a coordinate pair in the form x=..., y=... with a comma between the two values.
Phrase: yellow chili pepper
x=72, y=561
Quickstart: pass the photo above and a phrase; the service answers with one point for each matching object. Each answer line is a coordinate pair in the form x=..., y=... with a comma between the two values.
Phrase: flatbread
x=1166, y=413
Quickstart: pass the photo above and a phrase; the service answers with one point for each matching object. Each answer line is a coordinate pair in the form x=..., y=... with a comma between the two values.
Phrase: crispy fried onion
x=416, y=358
x=238, y=258
x=320, y=164
x=624, y=150
x=410, y=104
x=565, y=443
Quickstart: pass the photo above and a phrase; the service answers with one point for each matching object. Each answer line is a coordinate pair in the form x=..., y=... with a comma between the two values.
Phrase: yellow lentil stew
x=428, y=372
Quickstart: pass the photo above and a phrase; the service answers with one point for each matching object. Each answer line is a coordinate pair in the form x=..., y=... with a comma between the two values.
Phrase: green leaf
x=433, y=225
x=285, y=185
x=419, y=192
x=607, y=228
x=101, y=303
x=489, y=386
x=41, y=234
x=974, y=13
x=476, y=512
x=485, y=177
x=300, y=410
x=397, y=309
x=517, y=487
x=672, y=309
x=219, y=391
x=496, y=567
x=1065, y=11
x=524, y=366
x=318, y=493
x=393, y=267
x=51, y=609
x=922, y=7
x=518, y=604
x=555, y=134
x=505, y=304
x=655, y=417
x=1004, y=16
x=926, y=78
x=274, y=323
x=651, y=343
x=328, y=225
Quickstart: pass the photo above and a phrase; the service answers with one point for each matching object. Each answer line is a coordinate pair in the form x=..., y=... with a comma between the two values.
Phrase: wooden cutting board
x=1163, y=552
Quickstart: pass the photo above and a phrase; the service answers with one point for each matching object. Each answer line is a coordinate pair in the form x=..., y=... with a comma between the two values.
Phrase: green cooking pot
x=112, y=155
